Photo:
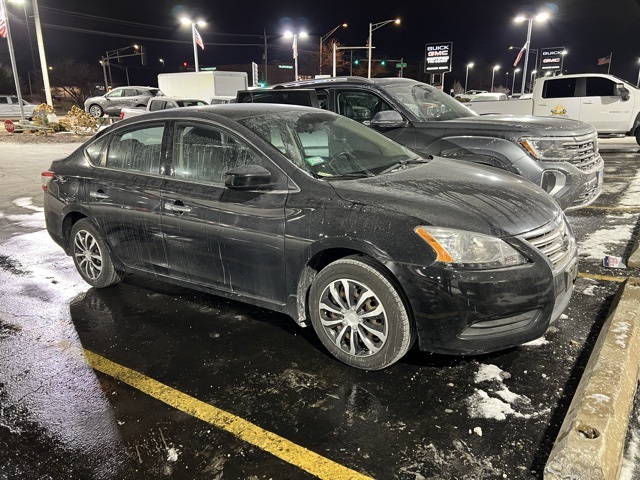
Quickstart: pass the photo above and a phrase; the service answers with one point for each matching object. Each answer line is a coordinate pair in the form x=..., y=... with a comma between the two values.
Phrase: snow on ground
x=613, y=239
x=494, y=400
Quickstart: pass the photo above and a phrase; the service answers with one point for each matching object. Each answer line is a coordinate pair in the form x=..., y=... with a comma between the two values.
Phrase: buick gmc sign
x=551, y=58
x=438, y=57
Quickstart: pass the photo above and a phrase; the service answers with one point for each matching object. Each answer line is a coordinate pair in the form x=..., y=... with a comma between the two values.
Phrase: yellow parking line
x=605, y=278
x=276, y=445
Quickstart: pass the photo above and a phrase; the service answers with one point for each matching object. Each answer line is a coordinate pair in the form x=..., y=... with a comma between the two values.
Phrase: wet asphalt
x=426, y=417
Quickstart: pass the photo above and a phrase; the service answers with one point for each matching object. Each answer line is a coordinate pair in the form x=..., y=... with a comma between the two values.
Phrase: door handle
x=100, y=195
x=177, y=208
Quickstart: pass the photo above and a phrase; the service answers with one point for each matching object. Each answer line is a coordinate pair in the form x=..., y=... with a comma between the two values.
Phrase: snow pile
x=495, y=401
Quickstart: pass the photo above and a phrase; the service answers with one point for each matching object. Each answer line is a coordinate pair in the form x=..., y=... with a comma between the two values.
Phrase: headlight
x=470, y=250
x=548, y=149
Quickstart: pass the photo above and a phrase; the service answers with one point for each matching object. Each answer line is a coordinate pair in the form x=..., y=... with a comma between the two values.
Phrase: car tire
x=95, y=110
x=638, y=135
x=370, y=334
x=92, y=257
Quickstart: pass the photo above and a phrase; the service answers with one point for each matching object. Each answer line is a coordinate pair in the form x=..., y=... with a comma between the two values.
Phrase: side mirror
x=247, y=177
x=621, y=91
x=388, y=119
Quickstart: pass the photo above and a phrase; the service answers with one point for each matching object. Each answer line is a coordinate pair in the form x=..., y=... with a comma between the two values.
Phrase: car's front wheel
x=359, y=315
x=92, y=257
x=95, y=110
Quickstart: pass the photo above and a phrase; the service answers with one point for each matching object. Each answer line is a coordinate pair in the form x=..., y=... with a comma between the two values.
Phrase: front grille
x=584, y=151
x=554, y=241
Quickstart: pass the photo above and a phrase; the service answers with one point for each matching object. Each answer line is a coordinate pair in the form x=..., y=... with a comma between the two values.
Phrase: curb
x=591, y=440
x=634, y=258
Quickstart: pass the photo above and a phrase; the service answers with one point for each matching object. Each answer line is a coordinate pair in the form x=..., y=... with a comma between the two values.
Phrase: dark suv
x=558, y=154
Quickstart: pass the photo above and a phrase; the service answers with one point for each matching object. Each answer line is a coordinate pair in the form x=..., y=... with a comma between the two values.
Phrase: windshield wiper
x=346, y=176
x=404, y=163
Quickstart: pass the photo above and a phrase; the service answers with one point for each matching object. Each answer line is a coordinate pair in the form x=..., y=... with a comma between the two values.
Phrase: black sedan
x=306, y=212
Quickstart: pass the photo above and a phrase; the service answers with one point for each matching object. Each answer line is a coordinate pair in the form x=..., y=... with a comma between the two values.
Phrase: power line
x=136, y=24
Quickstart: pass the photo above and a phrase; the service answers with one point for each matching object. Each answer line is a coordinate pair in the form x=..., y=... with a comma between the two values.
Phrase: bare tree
x=74, y=80
x=7, y=83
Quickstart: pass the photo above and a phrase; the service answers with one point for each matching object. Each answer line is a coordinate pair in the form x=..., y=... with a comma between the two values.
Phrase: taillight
x=45, y=178
x=121, y=115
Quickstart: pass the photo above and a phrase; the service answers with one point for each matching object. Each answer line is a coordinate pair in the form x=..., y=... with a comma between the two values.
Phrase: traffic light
x=383, y=63
x=143, y=55
x=185, y=64
x=356, y=62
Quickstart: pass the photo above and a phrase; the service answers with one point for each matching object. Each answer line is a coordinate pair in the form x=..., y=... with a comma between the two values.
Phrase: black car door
x=227, y=239
x=124, y=195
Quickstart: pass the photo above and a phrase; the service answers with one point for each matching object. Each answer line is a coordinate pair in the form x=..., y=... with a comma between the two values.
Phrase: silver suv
x=111, y=103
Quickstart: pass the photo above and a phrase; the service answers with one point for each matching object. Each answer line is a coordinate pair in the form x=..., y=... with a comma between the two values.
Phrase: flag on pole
x=604, y=60
x=524, y=47
x=198, y=38
x=295, y=46
x=3, y=23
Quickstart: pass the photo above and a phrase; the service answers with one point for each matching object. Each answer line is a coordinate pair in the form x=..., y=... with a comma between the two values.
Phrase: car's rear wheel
x=359, y=315
x=638, y=135
x=92, y=257
x=95, y=110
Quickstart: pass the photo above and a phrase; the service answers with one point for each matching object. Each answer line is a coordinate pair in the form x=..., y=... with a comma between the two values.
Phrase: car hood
x=456, y=194
x=525, y=124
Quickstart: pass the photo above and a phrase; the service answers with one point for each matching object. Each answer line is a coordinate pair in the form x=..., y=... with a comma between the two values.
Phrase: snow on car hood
x=456, y=194
x=529, y=124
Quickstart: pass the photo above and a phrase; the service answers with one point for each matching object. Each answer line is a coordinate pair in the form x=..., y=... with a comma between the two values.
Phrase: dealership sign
x=551, y=58
x=437, y=57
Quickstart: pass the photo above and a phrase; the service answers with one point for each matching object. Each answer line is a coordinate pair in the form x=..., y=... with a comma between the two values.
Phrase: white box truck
x=609, y=103
x=213, y=86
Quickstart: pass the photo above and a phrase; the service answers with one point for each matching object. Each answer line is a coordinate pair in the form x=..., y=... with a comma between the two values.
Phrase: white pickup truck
x=161, y=103
x=610, y=104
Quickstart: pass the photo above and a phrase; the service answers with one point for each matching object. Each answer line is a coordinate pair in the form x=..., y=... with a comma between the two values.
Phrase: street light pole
x=322, y=40
x=493, y=75
x=527, y=45
x=186, y=20
x=295, y=49
x=513, y=81
x=3, y=11
x=43, y=58
x=372, y=27
x=466, y=77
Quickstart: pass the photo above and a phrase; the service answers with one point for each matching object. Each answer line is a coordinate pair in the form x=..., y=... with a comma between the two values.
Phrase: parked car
x=312, y=214
x=488, y=96
x=161, y=103
x=112, y=102
x=10, y=108
x=559, y=155
x=465, y=96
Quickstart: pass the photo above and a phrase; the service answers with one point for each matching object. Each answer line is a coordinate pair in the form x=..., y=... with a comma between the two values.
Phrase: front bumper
x=473, y=312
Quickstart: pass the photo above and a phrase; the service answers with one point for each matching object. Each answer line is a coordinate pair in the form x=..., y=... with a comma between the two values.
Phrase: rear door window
x=137, y=150
x=559, y=88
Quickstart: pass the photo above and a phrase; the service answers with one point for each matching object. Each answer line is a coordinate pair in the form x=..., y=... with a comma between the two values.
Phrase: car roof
x=234, y=111
x=346, y=80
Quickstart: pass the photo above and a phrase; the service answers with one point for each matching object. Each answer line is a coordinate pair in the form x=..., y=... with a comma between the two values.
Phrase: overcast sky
x=481, y=32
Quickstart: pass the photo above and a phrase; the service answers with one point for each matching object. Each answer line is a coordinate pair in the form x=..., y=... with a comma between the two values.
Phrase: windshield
x=427, y=103
x=327, y=145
